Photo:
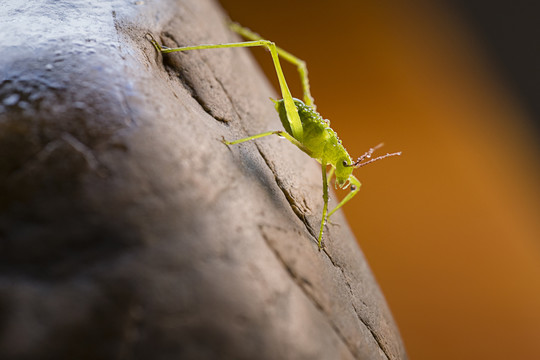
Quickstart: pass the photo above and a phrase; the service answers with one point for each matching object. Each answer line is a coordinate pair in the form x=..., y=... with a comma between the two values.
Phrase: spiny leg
x=325, y=198
x=290, y=108
x=299, y=63
x=355, y=186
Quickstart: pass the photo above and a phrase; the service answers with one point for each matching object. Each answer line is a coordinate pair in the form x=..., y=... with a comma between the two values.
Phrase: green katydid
x=304, y=127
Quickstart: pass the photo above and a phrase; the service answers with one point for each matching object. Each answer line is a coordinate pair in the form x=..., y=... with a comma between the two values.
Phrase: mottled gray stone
x=129, y=231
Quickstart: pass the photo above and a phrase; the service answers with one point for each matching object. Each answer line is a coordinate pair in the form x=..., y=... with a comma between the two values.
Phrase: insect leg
x=300, y=64
x=355, y=186
x=331, y=174
x=247, y=138
x=278, y=132
x=325, y=198
x=293, y=140
x=290, y=108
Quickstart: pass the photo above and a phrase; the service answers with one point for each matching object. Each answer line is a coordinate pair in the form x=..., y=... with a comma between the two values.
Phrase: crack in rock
x=173, y=65
x=301, y=283
x=288, y=196
x=307, y=287
x=363, y=321
x=298, y=279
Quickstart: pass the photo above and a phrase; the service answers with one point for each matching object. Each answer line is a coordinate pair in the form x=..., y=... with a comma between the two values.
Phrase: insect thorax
x=319, y=138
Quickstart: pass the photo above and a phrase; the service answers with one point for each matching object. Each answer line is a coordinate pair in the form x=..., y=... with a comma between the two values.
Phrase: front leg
x=355, y=186
x=277, y=132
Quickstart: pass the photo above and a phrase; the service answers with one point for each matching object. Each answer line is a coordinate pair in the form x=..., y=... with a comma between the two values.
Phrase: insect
x=304, y=126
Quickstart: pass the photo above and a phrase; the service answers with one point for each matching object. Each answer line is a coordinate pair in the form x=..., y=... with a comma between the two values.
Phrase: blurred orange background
x=451, y=229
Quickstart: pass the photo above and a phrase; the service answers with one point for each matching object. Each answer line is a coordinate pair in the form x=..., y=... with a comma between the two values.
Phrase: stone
x=128, y=230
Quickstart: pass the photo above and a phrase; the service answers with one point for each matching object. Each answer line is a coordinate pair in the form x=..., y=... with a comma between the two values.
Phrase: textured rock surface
x=129, y=231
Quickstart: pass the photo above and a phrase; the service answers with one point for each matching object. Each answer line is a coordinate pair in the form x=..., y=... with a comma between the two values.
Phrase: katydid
x=304, y=127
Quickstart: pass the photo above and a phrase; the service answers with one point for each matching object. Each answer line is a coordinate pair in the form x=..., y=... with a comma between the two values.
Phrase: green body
x=320, y=141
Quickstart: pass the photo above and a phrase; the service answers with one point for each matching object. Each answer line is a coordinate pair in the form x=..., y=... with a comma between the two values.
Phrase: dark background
x=451, y=229
x=510, y=31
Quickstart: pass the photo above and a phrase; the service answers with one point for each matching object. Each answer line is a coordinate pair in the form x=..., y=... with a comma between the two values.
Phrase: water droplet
x=11, y=100
x=79, y=105
x=25, y=105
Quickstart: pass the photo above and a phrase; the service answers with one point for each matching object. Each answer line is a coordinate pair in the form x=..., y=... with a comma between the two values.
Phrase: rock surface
x=129, y=231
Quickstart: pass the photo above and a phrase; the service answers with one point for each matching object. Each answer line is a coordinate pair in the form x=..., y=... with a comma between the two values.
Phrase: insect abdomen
x=319, y=138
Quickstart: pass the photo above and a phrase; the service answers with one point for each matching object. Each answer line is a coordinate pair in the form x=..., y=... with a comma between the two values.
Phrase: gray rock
x=129, y=231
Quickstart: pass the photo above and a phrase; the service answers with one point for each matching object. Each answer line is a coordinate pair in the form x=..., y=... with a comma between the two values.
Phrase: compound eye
x=345, y=163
